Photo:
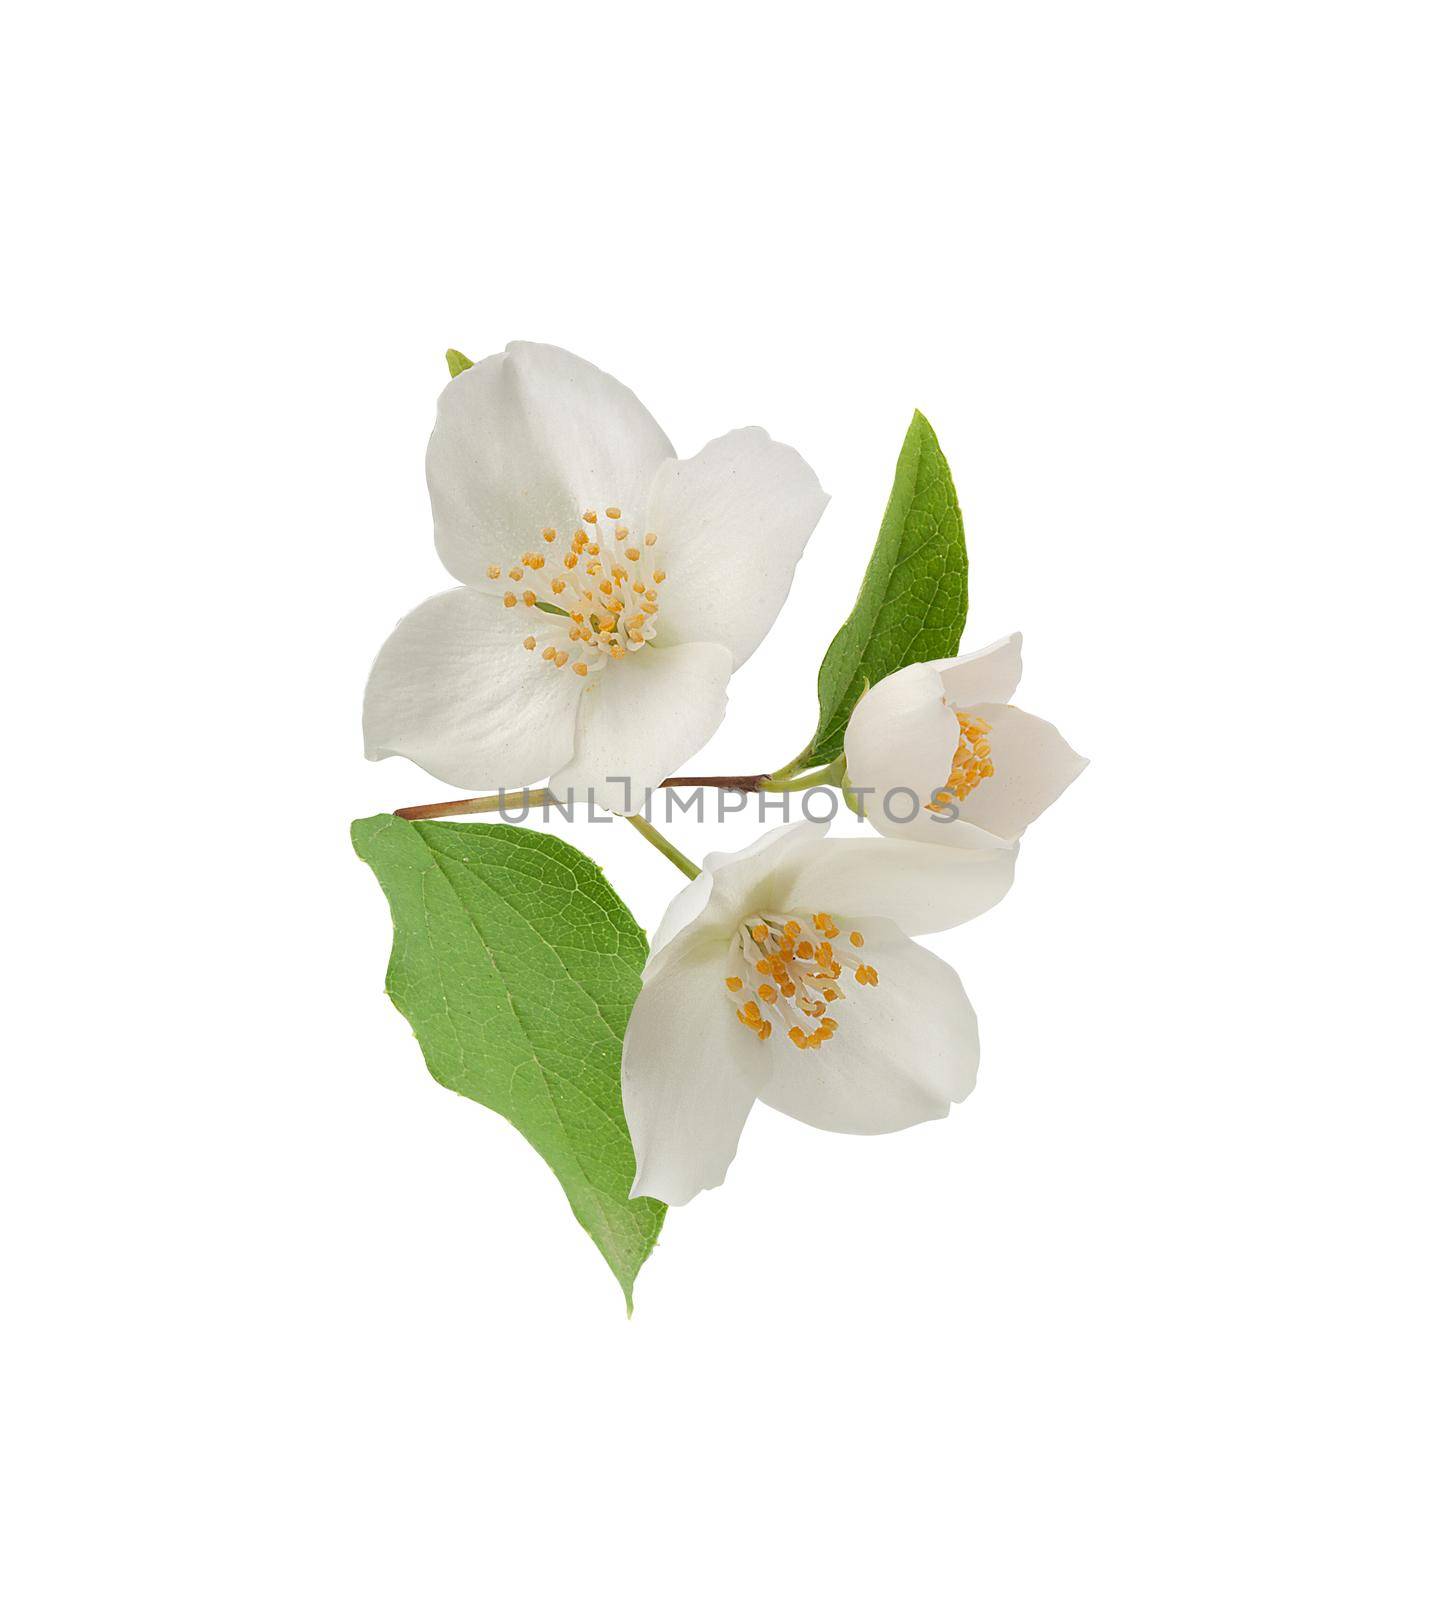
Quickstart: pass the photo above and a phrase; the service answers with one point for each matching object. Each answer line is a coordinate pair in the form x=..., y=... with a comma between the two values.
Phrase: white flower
x=939, y=755
x=784, y=973
x=610, y=588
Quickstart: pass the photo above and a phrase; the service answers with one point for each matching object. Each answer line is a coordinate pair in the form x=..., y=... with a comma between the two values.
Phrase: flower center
x=794, y=975
x=590, y=598
x=969, y=766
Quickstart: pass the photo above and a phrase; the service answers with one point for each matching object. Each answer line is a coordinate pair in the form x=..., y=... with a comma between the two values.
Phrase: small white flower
x=610, y=588
x=941, y=756
x=784, y=973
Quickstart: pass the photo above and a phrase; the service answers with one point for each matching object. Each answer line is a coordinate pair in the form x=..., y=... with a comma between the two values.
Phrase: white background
x=1159, y=1311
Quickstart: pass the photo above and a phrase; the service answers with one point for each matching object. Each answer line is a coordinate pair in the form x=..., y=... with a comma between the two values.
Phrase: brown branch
x=486, y=802
x=746, y=783
x=441, y=808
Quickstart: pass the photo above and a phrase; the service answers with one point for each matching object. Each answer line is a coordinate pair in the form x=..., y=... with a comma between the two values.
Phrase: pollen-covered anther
x=597, y=604
x=970, y=765
x=796, y=981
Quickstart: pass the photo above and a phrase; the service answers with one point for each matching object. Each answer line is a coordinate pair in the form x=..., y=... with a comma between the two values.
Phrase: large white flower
x=937, y=753
x=784, y=973
x=610, y=589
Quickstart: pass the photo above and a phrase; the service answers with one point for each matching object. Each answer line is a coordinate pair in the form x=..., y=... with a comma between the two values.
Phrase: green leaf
x=912, y=602
x=457, y=362
x=517, y=966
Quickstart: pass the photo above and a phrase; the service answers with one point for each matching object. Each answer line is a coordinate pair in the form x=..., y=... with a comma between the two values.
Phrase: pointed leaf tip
x=912, y=602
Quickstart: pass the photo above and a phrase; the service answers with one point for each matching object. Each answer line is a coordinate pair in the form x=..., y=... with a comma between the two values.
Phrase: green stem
x=792, y=767
x=663, y=846
x=810, y=780
x=482, y=802
x=852, y=799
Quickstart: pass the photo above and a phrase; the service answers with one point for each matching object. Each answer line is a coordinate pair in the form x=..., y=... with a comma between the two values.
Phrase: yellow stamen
x=798, y=975
x=969, y=766
x=611, y=619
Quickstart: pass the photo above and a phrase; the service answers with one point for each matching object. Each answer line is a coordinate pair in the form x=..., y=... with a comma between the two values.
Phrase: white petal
x=454, y=690
x=761, y=877
x=529, y=439
x=730, y=884
x=690, y=1075
x=923, y=888
x=933, y=828
x=901, y=736
x=906, y=1050
x=989, y=674
x=641, y=717
x=1033, y=765
x=683, y=915
x=731, y=522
